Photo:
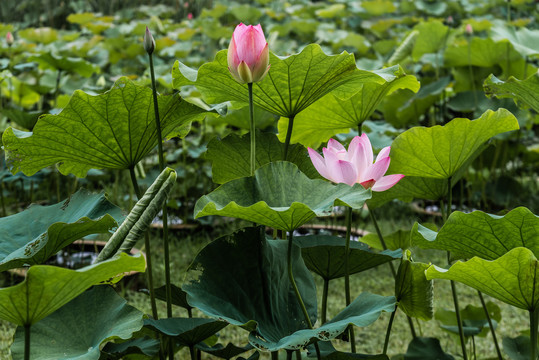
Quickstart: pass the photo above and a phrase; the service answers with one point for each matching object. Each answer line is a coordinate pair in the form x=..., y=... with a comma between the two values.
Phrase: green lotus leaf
x=483, y=53
x=44, y=35
x=324, y=255
x=144, y=345
x=35, y=234
x=523, y=40
x=19, y=92
x=399, y=239
x=280, y=196
x=518, y=348
x=242, y=279
x=422, y=348
x=77, y=329
x=230, y=156
x=524, y=92
x=413, y=291
x=63, y=63
x=431, y=38
x=179, y=297
x=224, y=352
x=328, y=352
x=512, y=278
x=440, y=151
x=480, y=234
x=47, y=288
x=332, y=115
x=474, y=320
x=292, y=84
x=186, y=331
x=363, y=311
x=113, y=130
x=25, y=119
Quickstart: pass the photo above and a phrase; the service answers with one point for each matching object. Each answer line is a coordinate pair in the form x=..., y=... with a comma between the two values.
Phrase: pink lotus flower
x=9, y=38
x=355, y=165
x=248, y=54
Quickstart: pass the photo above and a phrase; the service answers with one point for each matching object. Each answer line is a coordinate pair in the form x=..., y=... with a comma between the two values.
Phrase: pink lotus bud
x=9, y=38
x=469, y=29
x=355, y=165
x=190, y=16
x=248, y=54
x=449, y=20
x=149, y=42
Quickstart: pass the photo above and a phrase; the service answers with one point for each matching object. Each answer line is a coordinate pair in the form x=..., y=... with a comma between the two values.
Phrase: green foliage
x=423, y=348
x=524, y=92
x=186, y=331
x=414, y=292
x=474, y=320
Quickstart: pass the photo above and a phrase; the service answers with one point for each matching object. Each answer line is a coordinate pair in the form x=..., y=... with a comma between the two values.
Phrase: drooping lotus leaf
x=328, y=351
x=113, y=130
x=324, y=255
x=186, y=331
x=144, y=345
x=363, y=311
x=399, y=239
x=432, y=38
x=47, y=288
x=291, y=85
x=409, y=188
x=224, y=352
x=230, y=156
x=518, y=348
x=422, y=348
x=280, y=196
x=332, y=115
x=523, y=39
x=512, y=278
x=242, y=279
x=35, y=234
x=474, y=320
x=480, y=234
x=77, y=329
x=64, y=63
x=25, y=119
x=440, y=151
x=524, y=92
x=413, y=291
x=179, y=297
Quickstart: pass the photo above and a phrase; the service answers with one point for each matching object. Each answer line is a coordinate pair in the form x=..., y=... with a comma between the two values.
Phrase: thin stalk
x=27, y=342
x=347, y=273
x=388, y=332
x=149, y=269
x=533, y=334
x=471, y=72
x=288, y=136
x=252, y=129
x=449, y=198
x=192, y=352
x=296, y=291
x=298, y=354
x=275, y=355
x=325, y=301
x=500, y=357
x=289, y=354
x=4, y=212
x=165, y=212
x=57, y=88
x=507, y=46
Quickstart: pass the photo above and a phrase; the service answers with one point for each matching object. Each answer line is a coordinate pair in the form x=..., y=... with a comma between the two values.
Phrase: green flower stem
x=500, y=357
x=289, y=354
x=347, y=273
x=296, y=291
x=288, y=136
x=393, y=271
x=275, y=355
x=471, y=72
x=388, y=332
x=191, y=351
x=252, y=129
x=57, y=88
x=27, y=341
x=149, y=269
x=325, y=301
x=165, y=212
x=533, y=334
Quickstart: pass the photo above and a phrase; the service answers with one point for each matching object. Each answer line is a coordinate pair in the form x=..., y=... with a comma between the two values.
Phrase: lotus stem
x=252, y=129
x=57, y=88
x=347, y=273
x=325, y=301
x=471, y=72
x=275, y=355
x=388, y=332
x=500, y=357
x=289, y=354
x=27, y=341
x=288, y=136
x=457, y=311
x=533, y=334
x=191, y=351
x=149, y=271
x=165, y=212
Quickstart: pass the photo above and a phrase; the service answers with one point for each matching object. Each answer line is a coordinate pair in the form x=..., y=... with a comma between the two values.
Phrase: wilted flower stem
x=252, y=128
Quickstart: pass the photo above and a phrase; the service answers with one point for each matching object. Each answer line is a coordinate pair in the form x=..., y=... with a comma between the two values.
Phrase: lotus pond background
x=434, y=71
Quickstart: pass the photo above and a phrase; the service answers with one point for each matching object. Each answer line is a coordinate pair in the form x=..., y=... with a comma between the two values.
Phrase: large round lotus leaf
x=186, y=331
x=480, y=234
x=224, y=352
x=440, y=151
x=518, y=348
x=56, y=62
x=363, y=311
x=243, y=279
x=474, y=320
x=47, y=288
x=328, y=352
x=511, y=278
x=524, y=92
x=331, y=115
x=280, y=196
x=144, y=345
x=230, y=156
x=432, y=38
x=37, y=233
x=413, y=291
x=324, y=255
x=77, y=329
x=113, y=130
x=291, y=85
x=523, y=40
x=179, y=297
x=399, y=239
x=423, y=348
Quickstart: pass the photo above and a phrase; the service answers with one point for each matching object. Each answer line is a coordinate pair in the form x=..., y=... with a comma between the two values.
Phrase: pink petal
x=368, y=184
x=249, y=44
x=262, y=65
x=232, y=56
x=377, y=170
x=354, y=144
x=319, y=163
x=336, y=146
x=387, y=182
x=383, y=153
x=348, y=173
x=332, y=164
x=368, y=148
x=359, y=159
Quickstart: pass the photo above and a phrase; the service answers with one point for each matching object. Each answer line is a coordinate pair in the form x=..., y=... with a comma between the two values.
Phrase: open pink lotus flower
x=248, y=54
x=355, y=165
